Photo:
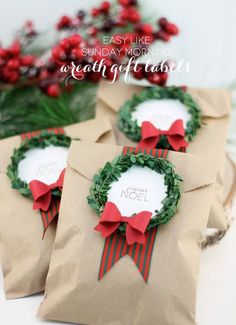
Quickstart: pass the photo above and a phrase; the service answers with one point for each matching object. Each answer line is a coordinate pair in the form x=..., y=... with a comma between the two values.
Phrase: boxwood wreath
x=42, y=140
x=113, y=170
x=133, y=131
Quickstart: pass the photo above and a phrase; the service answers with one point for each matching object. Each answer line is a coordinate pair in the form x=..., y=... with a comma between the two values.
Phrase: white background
x=207, y=40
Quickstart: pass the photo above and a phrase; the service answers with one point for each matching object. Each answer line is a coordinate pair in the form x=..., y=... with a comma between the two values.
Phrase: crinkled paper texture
x=73, y=292
x=25, y=257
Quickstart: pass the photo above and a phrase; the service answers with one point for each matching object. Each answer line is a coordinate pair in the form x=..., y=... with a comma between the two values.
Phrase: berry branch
x=33, y=93
x=85, y=30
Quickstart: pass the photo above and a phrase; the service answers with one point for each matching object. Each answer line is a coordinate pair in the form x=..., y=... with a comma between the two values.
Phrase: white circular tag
x=161, y=113
x=138, y=189
x=44, y=165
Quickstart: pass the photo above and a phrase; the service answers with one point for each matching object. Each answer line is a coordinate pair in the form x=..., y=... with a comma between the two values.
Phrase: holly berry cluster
x=14, y=64
x=103, y=18
x=86, y=30
x=167, y=29
x=156, y=78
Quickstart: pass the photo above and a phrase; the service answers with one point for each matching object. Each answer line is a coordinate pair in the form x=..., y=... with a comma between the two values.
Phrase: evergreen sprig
x=130, y=127
x=112, y=171
x=27, y=109
x=45, y=139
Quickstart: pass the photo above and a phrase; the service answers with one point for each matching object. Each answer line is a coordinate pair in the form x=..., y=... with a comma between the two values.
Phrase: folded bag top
x=121, y=296
x=214, y=102
x=205, y=173
x=92, y=130
x=25, y=257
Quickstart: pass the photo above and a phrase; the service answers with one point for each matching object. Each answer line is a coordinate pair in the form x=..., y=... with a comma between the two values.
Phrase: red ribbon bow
x=151, y=135
x=42, y=194
x=111, y=219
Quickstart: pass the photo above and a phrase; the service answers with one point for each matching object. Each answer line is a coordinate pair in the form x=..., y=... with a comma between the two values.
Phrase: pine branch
x=27, y=109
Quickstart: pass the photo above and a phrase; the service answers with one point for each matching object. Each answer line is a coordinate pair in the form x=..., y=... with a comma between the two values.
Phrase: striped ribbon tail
x=157, y=153
x=116, y=247
x=29, y=135
x=49, y=215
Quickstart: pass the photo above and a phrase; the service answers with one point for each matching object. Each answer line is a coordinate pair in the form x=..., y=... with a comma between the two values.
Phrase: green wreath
x=133, y=131
x=45, y=139
x=113, y=170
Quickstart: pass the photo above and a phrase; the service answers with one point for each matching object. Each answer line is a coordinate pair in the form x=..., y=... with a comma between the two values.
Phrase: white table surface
x=207, y=40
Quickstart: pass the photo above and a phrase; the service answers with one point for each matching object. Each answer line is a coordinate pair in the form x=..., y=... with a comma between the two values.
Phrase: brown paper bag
x=210, y=140
x=25, y=256
x=73, y=292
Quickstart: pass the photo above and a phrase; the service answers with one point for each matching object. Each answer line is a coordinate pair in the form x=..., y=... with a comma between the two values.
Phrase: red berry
x=80, y=75
x=64, y=22
x=134, y=15
x=154, y=78
x=124, y=3
x=58, y=53
x=164, y=77
x=124, y=15
x=124, y=49
x=10, y=76
x=105, y=6
x=92, y=31
x=65, y=44
x=184, y=88
x=94, y=76
x=14, y=49
x=14, y=77
x=95, y=12
x=76, y=54
x=162, y=22
x=110, y=75
x=3, y=53
x=75, y=40
x=162, y=35
x=27, y=60
x=171, y=29
x=13, y=64
x=108, y=62
x=54, y=90
x=139, y=73
x=147, y=29
x=121, y=23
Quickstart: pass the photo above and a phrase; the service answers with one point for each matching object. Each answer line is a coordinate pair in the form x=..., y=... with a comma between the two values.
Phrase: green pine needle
x=27, y=109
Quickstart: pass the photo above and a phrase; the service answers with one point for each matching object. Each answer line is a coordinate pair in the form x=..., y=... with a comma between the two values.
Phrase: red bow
x=151, y=136
x=42, y=193
x=111, y=219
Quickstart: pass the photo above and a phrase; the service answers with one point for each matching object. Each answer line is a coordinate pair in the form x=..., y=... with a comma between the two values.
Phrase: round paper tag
x=44, y=165
x=161, y=113
x=138, y=189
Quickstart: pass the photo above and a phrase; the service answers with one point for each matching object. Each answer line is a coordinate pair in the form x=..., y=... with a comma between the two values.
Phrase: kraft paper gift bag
x=25, y=256
x=131, y=270
x=210, y=139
